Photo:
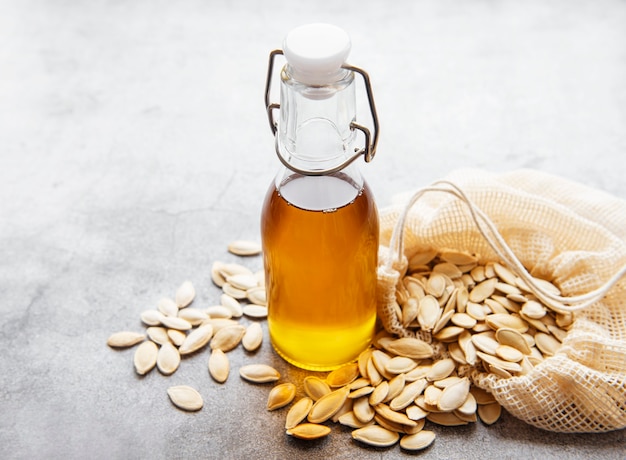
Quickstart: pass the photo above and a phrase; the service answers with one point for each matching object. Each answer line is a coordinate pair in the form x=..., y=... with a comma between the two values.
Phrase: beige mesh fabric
x=559, y=230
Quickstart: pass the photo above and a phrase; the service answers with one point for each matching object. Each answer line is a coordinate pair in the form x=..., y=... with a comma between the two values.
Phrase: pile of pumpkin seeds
x=472, y=315
x=175, y=330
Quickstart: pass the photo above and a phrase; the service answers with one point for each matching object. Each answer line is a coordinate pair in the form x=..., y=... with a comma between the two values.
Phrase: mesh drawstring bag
x=538, y=225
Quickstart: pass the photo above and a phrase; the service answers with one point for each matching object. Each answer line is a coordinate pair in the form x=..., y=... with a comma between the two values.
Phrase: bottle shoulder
x=320, y=193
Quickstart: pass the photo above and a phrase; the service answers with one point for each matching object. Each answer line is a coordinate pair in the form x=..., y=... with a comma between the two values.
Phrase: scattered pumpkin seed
x=145, y=357
x=185, y=397
x=125, y=339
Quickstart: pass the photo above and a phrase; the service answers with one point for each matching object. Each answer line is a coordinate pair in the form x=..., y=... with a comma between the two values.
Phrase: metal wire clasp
x=371, y=140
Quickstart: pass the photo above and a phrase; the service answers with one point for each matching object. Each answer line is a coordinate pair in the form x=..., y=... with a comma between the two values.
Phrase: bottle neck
x=314, y=131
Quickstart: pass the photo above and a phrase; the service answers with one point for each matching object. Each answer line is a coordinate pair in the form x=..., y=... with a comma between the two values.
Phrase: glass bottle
x=319, y=223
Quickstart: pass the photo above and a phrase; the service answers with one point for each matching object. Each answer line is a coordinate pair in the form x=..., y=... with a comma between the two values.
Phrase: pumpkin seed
x=168, y=307
x=185, y=397
x=445, y=419
x=298, y=412
x=177, y=337
x=483, y=290
x=375, y=435
x=509, y=353
x=448, y=269
x=458, y=257
x=397, y=417
x=372, y=373
x=469, y=405
x=428, y=313
x=410, y=347
x=557, y=332
x=415, y=412
x=344, y=409
x=362, y=361
x=500, y=363
x=168, y=359
x=253, y=337
x=234, y=292
x=230, y=302
x=219, y=365
x=228, y=337
x=361, y=382
x=259, y=373
x=499, y=320
x=512, y=338
x=158, y=335
x=455, y=352
x=244, y=248
x=507, y=289
x=396, y=385
x=489, y=413
x=174, y=322
x=467, y=347
x=485, y=343
x=436, y=285
x=432, y=395
x=414, y=287
x=151, y=317
x=257, y=296
x=509, y=304
x=417, y=441
x=242, y=281
x=463, y=320
x=442, y=321
x=476, y=311
x=505, y=274
x=379, y=394
x=454, y=396
x=547, y=344
x=325, y=407
x=400, y=365
x=362, y=410
x=185, y=294
x=193, y=315
x=462, y=299
x=281, y=395
x=419, y=372
x=448, y=334
x=125, y=339
x=408, y=394
x=309, y=431
x=441, y=369
x=216, y=275
x=349, y=419
x=422, y=258
x=445, y=383
x=409, y=311
x=380, y=360
x=315, y=388
x=145, y=357
x=533, y=309
x=196, y=339
x=482, y=396
x=227, y=270
x=220, y=323
x=363, y=391
x=219, y=311
x=255, y=311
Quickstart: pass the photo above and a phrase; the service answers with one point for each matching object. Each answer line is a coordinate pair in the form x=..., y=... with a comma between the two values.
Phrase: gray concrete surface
x=134, y=146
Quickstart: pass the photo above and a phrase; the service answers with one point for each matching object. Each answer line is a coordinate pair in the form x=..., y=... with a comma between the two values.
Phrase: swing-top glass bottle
x=319, y=223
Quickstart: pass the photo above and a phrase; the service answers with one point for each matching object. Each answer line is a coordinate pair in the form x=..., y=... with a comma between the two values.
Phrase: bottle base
x=317, y=367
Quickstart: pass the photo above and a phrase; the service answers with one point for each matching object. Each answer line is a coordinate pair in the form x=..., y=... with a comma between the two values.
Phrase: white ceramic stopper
x=316, y=52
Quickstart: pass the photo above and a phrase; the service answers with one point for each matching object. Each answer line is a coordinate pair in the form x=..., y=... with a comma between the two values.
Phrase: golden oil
x=320, y=246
